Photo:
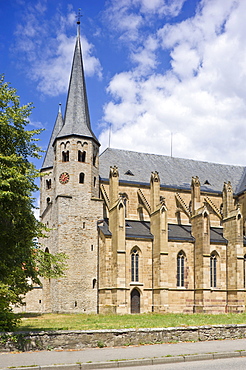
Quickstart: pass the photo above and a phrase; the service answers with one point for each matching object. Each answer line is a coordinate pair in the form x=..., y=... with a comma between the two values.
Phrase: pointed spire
x=49, y=156
x=77, y=119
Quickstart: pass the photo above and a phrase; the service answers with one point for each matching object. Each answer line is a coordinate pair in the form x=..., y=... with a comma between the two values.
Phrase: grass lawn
x=151, y=320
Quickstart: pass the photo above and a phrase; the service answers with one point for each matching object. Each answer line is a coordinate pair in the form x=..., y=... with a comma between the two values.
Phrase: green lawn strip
x=97, y=322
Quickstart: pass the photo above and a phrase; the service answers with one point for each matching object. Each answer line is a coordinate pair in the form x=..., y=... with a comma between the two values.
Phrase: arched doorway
x=135, y=301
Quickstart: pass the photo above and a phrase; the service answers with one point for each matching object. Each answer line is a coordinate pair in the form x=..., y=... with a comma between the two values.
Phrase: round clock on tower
x=64, y=178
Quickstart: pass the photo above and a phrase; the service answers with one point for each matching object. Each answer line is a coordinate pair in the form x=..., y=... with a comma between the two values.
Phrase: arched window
x=81, y=178
x=94, y=282
x=94, y=160
x=65, y=156
x=135, y=265
x=244, y=271
x=81, y=156
x=213, y=270
x=180, y=269
x=48, y=184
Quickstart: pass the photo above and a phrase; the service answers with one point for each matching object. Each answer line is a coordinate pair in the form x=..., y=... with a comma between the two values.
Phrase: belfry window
x=81, y=178
x=81, y=156
x=213, y=270
x=48, y=184
x=135, y=265
x=180, y=269
x=65, y=156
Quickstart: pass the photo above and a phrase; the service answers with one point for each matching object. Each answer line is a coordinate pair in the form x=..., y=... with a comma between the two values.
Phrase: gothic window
x=213, y=270
x=135, y=265
x=48, y=184
x=81, y=156
x=81, y=178
x=65, y=156
x=244, y=271
x=180, y=269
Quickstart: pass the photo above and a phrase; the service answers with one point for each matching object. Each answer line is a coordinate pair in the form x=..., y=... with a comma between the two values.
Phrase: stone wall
x=77, y=339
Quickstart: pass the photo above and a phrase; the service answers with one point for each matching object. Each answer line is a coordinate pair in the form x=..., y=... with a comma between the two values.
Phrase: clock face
x=64, y=178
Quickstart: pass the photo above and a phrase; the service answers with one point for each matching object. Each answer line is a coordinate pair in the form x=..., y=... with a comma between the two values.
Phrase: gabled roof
x=49, y=155
x=77, y=119
x=174, y=172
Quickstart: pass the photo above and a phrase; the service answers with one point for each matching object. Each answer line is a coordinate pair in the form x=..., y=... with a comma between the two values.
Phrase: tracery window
x=213, y=270
x=180, y=269
x=135, y=265
x=244, y=271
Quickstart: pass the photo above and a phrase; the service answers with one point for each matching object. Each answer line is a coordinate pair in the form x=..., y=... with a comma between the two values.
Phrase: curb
x=135, y=362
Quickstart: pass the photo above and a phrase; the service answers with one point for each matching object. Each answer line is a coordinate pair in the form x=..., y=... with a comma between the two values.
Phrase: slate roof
x=49, y=155
x=77, y=119
x=174, y=172
x=141, y=230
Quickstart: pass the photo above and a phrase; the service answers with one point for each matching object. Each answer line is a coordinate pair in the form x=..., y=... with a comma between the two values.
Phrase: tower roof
x=77, y=119
x=49, y=155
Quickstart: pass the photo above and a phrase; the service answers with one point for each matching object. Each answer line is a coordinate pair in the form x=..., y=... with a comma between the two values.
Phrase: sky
x=163, y=76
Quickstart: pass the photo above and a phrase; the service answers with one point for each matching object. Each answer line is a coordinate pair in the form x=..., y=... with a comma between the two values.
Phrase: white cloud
x=200, y=97
x=44, y=44
x=128, y=17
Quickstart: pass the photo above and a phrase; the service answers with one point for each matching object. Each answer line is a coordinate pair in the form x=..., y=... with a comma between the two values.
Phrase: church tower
x=70, y=206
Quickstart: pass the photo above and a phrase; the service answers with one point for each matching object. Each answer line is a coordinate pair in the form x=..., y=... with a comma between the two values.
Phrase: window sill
x=136, y=283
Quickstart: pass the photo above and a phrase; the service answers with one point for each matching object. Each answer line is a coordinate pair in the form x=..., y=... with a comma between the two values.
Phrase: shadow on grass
x=27, y=315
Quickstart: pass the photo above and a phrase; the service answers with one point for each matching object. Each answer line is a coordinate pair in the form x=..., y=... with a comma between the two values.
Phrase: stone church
x=142, y=232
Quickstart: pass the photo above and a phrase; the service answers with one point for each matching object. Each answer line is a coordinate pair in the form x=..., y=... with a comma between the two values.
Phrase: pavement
x=118, y=357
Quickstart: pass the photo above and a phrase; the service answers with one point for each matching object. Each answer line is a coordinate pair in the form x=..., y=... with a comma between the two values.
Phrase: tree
x=20, y=257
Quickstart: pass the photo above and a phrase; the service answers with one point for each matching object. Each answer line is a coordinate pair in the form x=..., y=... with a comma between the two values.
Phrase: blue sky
x=153, y=67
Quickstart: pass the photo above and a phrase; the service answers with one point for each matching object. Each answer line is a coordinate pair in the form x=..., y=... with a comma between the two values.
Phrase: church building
x=142, y=232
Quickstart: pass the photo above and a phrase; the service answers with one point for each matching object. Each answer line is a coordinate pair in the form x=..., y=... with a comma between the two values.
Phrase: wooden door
x=135, y=301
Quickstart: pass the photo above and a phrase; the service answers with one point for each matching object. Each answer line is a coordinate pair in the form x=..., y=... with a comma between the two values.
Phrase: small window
x=92, y=248
x=81, y=178
x=65, y=156
x=94, y=283
x=48, y=200
x=94, y=160
x=213, y=270
x=48, y=184
x=180, y=269
x=81, y=156
x=129, y=172
x=95, y=180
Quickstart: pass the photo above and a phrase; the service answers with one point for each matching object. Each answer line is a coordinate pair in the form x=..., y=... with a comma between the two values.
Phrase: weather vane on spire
x=78, y=22
x=79, y=16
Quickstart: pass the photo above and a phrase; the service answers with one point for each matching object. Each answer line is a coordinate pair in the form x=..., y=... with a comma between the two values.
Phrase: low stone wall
x=77, y=339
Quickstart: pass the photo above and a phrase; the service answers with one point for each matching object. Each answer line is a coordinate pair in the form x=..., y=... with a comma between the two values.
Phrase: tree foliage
x=20, y=260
